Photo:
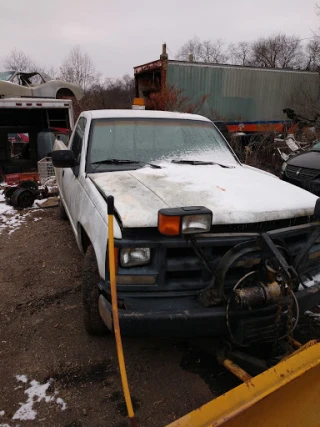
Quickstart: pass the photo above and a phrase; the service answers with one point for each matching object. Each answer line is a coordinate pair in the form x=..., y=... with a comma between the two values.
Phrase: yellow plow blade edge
x=287, y=394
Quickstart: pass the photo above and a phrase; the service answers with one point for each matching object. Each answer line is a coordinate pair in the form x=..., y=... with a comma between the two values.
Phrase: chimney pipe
x=164, y=55
x=190, y=57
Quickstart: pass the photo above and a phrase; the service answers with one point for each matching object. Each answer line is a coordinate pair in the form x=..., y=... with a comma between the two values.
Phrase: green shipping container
x=234, y=93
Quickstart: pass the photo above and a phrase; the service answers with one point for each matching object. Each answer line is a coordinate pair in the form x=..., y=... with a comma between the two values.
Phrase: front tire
x=90, y=295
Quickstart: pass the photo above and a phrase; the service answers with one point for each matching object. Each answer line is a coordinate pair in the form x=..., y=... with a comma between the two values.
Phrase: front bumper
x=194, y=320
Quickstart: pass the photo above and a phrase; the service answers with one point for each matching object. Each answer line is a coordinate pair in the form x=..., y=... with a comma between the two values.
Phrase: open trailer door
x=30, y=117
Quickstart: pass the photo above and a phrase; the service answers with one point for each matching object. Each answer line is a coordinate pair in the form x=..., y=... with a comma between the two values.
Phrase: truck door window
x=77, y=140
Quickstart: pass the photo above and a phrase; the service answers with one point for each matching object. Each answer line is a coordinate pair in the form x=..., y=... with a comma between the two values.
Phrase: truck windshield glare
x=150, y=140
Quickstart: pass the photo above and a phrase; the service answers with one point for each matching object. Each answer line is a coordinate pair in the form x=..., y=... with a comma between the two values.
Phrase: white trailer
x=28, y=128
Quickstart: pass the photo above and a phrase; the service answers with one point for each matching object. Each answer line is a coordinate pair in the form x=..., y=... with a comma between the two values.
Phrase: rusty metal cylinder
x=258, y=295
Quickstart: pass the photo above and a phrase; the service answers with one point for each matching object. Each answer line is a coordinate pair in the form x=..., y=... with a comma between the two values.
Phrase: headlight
x=131, y=257
x=196, y=224
x=283, y=167
x=187, y=220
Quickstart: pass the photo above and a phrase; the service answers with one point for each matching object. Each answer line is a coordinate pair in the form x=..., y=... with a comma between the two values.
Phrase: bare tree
x=212, y=52
x=51, y=71
x=312, y=52
x=78, y=68
x=279, y=51
x=18, y=60
x=114, y=93
x=240, y=53
x=172, y=99
x=193, y=47
x=304, y=101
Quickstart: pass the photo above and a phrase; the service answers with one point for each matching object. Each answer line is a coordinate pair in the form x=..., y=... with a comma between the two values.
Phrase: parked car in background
x=36, y=84
x=303, y=170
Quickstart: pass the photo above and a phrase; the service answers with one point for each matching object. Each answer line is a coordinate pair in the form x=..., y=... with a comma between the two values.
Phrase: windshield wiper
x=122, y=162
x=199, y=162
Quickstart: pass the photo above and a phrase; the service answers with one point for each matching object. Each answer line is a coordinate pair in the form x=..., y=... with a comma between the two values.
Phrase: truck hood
x=237, y=195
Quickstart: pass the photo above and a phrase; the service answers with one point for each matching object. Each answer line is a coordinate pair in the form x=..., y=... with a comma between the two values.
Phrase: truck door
x=71, y=187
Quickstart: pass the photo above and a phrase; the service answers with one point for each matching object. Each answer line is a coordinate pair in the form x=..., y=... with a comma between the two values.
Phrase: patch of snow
x=1, y=413
x=22, y=378
x=4, y=208
x=50, y=182
x=4, y=425
x=62, y=403
x=36, y=392
x=152, y=114
x=235, y=195
x=11, y=219
x=37, y=219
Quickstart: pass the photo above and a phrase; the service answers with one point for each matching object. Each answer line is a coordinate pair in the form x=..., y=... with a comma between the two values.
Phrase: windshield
x=6, y=75
x=155, y=140
x=316, y=147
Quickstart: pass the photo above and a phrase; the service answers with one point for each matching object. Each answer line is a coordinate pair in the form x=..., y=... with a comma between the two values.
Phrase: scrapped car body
x=36, y=84
x=303, y=170
x=246, y=242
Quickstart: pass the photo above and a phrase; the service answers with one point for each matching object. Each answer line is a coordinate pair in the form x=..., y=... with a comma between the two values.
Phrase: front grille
x=184, y=270
x=179, y=270
x=303, y=174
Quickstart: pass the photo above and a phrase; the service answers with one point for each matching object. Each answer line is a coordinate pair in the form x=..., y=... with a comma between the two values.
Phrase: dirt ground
x=49, y=364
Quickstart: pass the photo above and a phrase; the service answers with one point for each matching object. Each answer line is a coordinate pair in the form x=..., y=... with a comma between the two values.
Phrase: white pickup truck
x=204, y=245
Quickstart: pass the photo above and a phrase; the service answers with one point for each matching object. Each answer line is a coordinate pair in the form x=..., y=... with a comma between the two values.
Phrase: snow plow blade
x=285, y=395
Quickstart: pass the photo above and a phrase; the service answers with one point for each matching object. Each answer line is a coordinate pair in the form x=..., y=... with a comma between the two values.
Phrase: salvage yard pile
x=260, y=150
x=12, y=219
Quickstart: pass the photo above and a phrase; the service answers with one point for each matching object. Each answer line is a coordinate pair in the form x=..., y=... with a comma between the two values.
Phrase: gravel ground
x=53, y=371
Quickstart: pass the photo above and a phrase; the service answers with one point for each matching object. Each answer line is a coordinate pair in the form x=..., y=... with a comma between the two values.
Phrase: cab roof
x=149, y=114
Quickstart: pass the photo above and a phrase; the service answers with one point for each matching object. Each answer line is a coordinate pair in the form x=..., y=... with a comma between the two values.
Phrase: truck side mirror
x=63, y=159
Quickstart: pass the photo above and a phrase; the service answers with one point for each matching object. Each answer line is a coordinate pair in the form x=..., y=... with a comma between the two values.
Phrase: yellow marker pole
x=115, y=314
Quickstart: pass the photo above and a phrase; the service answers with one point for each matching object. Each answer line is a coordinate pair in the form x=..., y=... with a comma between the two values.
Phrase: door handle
x=62, y=173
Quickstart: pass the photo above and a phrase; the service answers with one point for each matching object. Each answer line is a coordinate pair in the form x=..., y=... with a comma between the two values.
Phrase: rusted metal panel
x=149, y=77
x=150, y=66
x=241, y=93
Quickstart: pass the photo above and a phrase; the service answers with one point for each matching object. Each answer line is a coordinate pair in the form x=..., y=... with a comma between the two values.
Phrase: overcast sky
x=120, y=34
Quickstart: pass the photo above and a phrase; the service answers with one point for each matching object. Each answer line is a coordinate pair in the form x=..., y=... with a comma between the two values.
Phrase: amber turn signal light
x=169, y=225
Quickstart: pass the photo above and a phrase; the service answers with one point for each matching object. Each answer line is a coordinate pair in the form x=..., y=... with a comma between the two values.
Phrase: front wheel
x=90, y=295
